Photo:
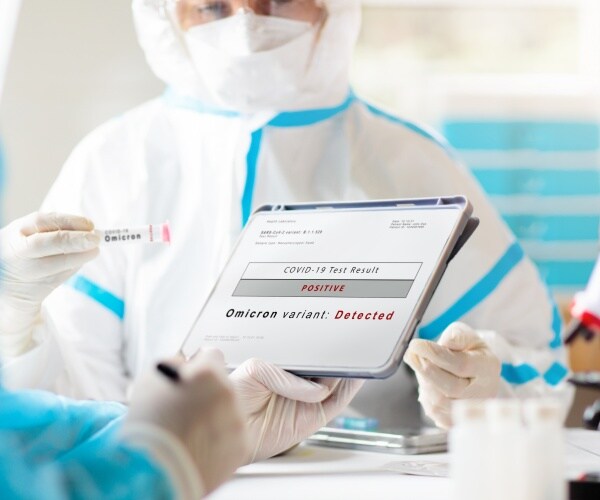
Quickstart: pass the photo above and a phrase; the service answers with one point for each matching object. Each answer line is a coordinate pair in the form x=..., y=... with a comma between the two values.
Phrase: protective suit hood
x=325, y=82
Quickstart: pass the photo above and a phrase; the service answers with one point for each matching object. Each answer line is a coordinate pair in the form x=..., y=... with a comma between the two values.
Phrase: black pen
x=169, y=371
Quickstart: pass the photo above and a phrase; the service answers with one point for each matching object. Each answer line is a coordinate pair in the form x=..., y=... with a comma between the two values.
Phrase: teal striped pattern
x=563, y=171
x=540, y=182
x=554, y=227
x=564, y=274
x=500, y=135
x=522, y=374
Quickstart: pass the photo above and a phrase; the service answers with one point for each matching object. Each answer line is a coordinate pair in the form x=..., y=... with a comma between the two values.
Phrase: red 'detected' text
x=361, y=315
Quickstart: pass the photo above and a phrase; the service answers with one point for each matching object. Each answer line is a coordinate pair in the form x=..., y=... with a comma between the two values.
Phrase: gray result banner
x=326, y=288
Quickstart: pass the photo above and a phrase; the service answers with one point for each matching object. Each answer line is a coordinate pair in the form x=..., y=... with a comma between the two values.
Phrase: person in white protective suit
x=51, y=447
x=258, y=108
x=183, y=434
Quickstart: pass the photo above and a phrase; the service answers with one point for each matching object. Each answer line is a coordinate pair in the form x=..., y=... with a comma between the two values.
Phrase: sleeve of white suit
x=494, y=287
x=78, y=342
x=510, y=307
x=533, y=364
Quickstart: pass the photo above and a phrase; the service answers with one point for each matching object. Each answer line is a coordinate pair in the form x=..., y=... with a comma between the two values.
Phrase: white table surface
x=311, y=472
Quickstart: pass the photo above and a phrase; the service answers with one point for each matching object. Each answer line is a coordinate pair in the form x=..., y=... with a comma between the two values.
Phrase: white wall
x=75, y=64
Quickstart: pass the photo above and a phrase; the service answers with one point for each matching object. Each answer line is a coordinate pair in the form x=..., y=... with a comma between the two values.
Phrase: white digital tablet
x=331, y=289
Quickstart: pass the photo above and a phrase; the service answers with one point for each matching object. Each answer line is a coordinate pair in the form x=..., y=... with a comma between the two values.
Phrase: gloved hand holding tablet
x=331, y=289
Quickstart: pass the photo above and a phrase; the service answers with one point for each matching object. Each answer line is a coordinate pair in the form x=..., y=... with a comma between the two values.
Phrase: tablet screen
x=327, y=288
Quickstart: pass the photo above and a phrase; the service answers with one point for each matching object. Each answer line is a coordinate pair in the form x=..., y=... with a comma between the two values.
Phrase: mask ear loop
x=159, y=5
x=319, y=27
x=322, y=20
x=167, y=10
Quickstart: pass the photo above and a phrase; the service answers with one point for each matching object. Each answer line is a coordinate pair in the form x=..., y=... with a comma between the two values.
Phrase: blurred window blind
x=514, y=86
x=544, y=177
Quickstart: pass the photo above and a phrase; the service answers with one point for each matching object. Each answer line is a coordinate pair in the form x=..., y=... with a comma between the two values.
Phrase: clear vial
x=468, y=453
x=546, y=442
x=509, y=462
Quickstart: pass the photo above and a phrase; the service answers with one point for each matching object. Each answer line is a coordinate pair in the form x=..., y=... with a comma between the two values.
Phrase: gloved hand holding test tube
x=41, y=251
x=151, y=233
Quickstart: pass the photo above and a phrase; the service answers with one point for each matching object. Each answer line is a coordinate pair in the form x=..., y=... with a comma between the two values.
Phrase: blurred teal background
x=513, y=84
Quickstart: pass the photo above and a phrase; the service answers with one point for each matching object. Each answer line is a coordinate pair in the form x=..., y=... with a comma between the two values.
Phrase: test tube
x=547, y=449
x=468, y=440
x=151, y=233
x=508, y=440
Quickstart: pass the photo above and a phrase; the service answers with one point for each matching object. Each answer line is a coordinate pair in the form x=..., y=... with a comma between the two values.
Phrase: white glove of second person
x=460, y=366
x=37, y=254
x=282, y=409
x=193, y=426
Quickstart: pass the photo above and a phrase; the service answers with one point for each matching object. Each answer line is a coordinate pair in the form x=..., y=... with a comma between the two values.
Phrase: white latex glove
x=282, y=409
x=460, y=366
x=37, y=254
x=193, y=427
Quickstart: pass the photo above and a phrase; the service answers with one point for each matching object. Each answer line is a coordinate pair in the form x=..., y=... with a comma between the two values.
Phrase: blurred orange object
x=584, y=356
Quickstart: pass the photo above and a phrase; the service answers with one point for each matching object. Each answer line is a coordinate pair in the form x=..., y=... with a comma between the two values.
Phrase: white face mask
x=251, y=63
x=246, y=33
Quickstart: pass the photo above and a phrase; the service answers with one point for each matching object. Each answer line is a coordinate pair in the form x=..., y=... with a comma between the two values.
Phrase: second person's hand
x=191, y=423
x=282, y=409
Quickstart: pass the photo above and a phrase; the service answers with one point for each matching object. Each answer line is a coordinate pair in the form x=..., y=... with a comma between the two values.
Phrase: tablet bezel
x=462, y=231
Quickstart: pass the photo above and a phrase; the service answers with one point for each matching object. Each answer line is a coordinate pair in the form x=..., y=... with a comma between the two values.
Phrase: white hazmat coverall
x=186, y=158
